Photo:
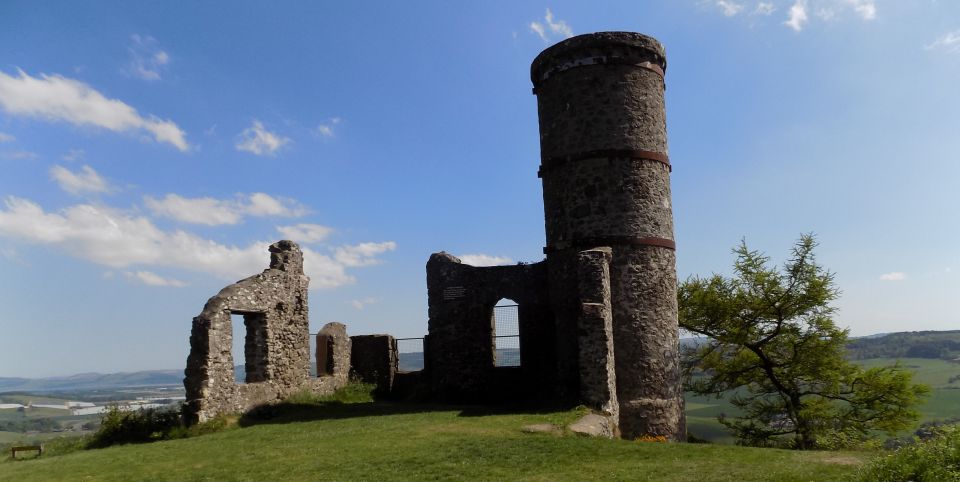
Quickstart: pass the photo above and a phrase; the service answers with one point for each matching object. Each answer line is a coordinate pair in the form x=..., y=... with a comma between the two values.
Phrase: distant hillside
x=943, y=345
x=92, y=381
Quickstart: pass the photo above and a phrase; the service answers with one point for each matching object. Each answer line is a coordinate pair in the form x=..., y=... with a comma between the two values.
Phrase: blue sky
x=150, y=152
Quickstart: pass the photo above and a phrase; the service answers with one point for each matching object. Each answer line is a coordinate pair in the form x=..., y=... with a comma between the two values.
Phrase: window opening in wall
x=410, y=353
x=249, y=347
x=506, y=334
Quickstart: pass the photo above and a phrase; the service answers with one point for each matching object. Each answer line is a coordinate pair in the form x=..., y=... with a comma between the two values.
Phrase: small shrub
x=935, y=459
x=120, y=427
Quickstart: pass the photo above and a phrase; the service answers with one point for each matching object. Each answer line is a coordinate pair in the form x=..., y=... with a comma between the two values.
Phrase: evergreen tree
x=775, y=350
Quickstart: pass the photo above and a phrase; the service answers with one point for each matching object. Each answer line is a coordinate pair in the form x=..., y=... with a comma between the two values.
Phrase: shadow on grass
x=292, y=412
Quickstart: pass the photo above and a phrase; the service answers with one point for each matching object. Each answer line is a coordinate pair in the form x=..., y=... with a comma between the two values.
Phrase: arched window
x=506, y=334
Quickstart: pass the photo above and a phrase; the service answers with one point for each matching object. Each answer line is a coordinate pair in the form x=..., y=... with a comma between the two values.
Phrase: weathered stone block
x=333, y=351
x=373, y=359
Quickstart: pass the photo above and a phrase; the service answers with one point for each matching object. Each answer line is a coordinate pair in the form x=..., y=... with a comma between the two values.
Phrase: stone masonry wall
x=274, y=305
x=374, y=359
x=459, y=344
x=605, y=171
x=598, y=380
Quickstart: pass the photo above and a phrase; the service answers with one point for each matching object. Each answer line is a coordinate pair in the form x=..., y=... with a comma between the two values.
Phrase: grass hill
x=943, y=345
x=384, y=441
x=90, y=381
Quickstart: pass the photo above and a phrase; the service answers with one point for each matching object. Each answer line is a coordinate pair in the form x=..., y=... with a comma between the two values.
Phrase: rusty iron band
x=597, y=241
x=552, y=163
x=586, y=62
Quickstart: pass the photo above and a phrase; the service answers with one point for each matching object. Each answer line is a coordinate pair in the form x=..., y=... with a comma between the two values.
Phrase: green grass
x=935, y=373
x=383, y=441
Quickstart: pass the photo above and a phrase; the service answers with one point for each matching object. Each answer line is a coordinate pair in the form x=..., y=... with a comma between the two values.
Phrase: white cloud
x=55, y=97
x=363, y=254
x=484, y=260
x=797, y=16
x=8, y=252
x=214, y=212
x=6, y=137
x=305, y=233
x=256, y=139
x=152, y=279
x=147, y=60
x=326, y=129
x=558, y=27
x=17, y=155
x=729, y=8
x=538, y=29
x=361, y=304
x=949, y=41
x=825, y=13
x=84, y=180
x=894, y=276
x=261, y=204
x=204, y=210
x=73, y=155
x=764, y=8
x=867, y=9
x=118, y=239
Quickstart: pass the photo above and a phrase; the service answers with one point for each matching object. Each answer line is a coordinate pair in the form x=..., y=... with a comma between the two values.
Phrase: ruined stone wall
x=375, y=360
x=274, y=306
x=459, y=346
x=605, y=171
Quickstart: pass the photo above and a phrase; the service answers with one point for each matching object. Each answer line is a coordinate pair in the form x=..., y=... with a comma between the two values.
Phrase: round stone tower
x=606, y=183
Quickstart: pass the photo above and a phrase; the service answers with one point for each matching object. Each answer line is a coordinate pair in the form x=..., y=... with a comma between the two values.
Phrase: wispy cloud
x=799, y=12
x=797, y=16
x=326, y=129
x=362, y=303
x=363, y=254
x=73, y=155
x=481, y=259
x=150, y=278
x=17, y=155
x=147, y=59
x=256, y=139
x=893, y=276
x=4, y=137
x=214, y=212
x=867, y=9
x=949, y=41
x=551, y=28
x=729, y=7
x=305, y=233
x=764, y=8
x=119, y=239
x=86, y=180
x=57, y=98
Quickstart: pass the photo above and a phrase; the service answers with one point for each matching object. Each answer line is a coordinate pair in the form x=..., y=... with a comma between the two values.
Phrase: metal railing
x=506, y=339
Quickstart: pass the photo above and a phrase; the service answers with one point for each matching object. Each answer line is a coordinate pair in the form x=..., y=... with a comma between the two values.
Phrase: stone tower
x=606, y=183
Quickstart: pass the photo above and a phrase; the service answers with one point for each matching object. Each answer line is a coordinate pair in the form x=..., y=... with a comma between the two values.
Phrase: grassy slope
x=380, y=442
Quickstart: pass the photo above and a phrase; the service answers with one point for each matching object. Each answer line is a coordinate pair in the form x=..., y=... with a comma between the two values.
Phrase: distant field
x=20, y=438
x=944, y=401
x=24, y=399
